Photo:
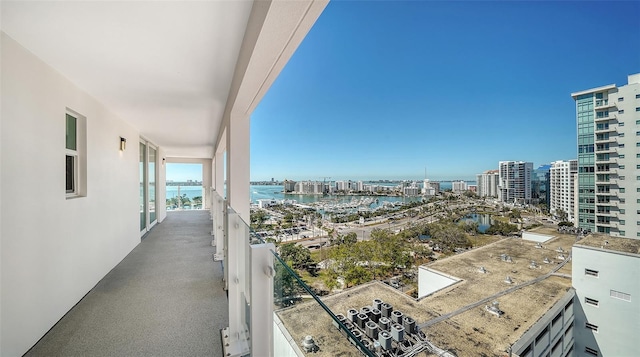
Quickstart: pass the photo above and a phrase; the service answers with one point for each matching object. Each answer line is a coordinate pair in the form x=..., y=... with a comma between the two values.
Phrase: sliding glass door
x=148, y=179
x=143, y=190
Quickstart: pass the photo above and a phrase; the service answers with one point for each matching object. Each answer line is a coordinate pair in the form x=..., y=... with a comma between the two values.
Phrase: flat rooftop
x=455, y=318
x=617, y=244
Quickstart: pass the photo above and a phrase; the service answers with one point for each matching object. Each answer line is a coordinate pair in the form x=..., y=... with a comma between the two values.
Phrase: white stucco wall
x=54, y=250
x=536, y=237
x=283, y=343
x=618, y=320
x=430, y=281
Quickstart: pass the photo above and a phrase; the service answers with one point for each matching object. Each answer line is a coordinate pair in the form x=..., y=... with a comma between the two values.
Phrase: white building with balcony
x=514, y=182
x=488, y=183
x=608, y=120
x=562, y=179
x=458, y=186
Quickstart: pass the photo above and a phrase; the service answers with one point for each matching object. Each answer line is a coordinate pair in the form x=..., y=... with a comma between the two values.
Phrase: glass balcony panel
x=239, y=232
x=313, y=328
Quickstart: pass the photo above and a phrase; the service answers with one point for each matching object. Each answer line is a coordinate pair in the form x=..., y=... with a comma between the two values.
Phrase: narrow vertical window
x=71, y=155
x=75, y=154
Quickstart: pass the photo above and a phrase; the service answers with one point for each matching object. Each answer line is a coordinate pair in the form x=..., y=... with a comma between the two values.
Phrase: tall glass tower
x=608, y=120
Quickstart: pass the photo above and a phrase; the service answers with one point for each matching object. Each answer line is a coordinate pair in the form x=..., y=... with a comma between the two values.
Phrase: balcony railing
x=271, y=308
x=608, y=117
x=604, y=103
x=608, y=128
x=305, y=325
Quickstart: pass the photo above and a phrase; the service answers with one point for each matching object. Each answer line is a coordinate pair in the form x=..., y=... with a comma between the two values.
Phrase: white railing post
x=262, y=273
x=236, y=337
x=218, y=208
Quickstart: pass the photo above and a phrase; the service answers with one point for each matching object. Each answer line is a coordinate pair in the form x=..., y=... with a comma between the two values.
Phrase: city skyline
x=381, y=90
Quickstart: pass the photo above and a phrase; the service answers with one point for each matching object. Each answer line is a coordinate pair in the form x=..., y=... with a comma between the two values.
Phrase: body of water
x=484, y=221
x=275, y=192
x=190, y=191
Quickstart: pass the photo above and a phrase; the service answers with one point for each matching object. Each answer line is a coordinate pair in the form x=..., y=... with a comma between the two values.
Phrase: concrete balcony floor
x=165, y=298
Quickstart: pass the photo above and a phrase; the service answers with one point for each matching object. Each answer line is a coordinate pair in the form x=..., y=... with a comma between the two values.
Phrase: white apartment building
x=342, y=185
x=608, y=119
x=562, y=177
x=311, y=187
x=488, y=183
x=411, y=191
x=514, y=182
x=427, y=189
x=289, y=186
x=458, y=186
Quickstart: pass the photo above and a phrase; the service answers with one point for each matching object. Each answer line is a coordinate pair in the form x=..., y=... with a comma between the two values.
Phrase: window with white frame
x=72, y=155
x=75, y=159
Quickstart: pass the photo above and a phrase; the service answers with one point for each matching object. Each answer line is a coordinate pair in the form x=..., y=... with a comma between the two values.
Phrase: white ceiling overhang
x=169, y=68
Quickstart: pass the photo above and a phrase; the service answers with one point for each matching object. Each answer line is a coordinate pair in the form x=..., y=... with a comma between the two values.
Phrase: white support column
x=207, y=183
x=262, y=273
x=237, y=141
x=218, y=168
x=238, y=184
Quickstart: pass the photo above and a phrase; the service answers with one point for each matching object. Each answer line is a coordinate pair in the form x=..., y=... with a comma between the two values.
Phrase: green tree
x=258, y=218
x=448, y=236
x=356, y=275
x=330, y=279
x=502, y=228
x=295, y=255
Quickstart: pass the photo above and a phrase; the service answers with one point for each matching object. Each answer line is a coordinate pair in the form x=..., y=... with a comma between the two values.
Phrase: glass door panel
x=152, y=185
x=143, y=196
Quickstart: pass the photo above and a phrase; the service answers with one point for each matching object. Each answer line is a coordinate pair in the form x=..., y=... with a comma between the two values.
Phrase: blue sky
x=383, y=89
x=184, y=172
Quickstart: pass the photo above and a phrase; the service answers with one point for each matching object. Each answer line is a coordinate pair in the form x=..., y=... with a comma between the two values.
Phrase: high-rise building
x=488, y=183
x=289, y=186
x=562, y=189
x=514, y=183
x=427, y=189
x=608, y=119
x=540, y=185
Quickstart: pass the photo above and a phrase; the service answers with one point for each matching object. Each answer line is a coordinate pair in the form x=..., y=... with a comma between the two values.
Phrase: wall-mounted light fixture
x=123, y=143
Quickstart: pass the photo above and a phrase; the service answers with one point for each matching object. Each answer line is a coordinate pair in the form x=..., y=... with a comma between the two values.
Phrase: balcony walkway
x=165, y=298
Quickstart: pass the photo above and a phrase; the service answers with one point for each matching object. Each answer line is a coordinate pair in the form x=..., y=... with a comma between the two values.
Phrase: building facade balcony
x=606, y=118
x=604, y=104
